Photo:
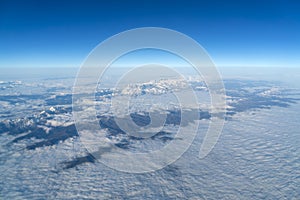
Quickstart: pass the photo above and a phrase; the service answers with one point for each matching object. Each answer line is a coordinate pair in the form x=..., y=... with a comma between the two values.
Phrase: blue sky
x=234, y=33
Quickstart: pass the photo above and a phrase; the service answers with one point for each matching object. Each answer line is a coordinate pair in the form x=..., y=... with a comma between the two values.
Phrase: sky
x=234, y=33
